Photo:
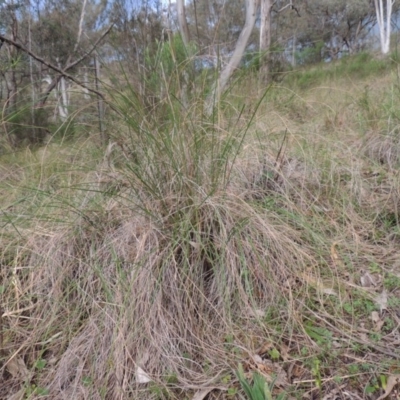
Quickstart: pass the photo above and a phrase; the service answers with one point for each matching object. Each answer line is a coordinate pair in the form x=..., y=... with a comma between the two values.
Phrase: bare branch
x=290, y=4
x=284, y=7
x=297, y=10
x=62, y=72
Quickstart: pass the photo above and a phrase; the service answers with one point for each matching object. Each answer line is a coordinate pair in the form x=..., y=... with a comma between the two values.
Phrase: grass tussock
x=193, y=244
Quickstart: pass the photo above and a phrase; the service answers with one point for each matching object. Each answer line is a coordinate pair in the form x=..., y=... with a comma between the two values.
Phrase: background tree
x=227, y=71
x=220, y=34
x=265, y=36
x=183, y=26
x=384, y=17
x=327, y=29
x=12, y=58
x=267, y=10
x=215, y=27
x=37, y=35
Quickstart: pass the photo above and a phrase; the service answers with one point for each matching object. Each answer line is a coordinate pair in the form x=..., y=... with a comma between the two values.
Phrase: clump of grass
x=383, y=148
x=185, y=245
x=149, y=260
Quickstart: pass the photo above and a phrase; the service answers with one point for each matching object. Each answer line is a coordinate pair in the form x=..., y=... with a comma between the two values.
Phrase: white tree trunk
x=384, y=22
x=226, y=73
x=265, y=38
x=63, y=101
x=183, y=26
x=86, y=82
x=80, y=29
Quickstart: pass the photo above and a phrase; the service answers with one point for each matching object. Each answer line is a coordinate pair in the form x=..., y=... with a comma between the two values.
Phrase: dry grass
x=184, y=252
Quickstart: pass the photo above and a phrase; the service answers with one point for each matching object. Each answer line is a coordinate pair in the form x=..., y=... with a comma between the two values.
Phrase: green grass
x=192, y=244
x=260, y=390
x=362, y=65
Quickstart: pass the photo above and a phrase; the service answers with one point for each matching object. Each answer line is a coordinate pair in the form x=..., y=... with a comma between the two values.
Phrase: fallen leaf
x=379, y=326
x=368, y=280
x=317, y=283
x=364, y=337
x=258, y=313
x=272, y=372
x=381, y=300
x=285, y=352
x=266, y=371
x=195, y=245
x=141, y=376
x=375, y=316
x=201, y=394
x=391, y=383
x=264, y=348
x=377, y=320
x=296, y=372
x=334, y=254
x=17, y=368
x=281, y=378
x=287, y=284
x=257, y=359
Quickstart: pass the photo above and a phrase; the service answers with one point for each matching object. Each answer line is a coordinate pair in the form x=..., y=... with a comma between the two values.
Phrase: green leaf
x=274, y=354
x=40, y=364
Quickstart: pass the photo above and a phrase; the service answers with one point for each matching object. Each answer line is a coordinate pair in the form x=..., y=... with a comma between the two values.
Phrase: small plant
x=33, y=390
x=260, y=389
x=316, y=371
x=391, y=282
x=373, y=386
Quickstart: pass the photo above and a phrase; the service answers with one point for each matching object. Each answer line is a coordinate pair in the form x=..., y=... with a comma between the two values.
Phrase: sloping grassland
x=266, y=236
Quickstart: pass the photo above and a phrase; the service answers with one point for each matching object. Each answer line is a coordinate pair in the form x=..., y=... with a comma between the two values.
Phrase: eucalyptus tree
x=333, y=27
x=12, y=60
x=44, y=42
x=265, y=35
x=270, y=11
x=220, y=34
x=138, y=35
x=384, y=17
x=234, y=61
x=63, y=32
x=183, y=26
x=15, y=69
x=215, y=26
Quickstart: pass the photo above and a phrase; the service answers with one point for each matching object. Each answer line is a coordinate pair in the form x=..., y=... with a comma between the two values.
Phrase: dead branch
x=289, y=5
x=62, y=72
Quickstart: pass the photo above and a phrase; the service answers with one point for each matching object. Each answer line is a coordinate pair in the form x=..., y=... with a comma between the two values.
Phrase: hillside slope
x=266, y=235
